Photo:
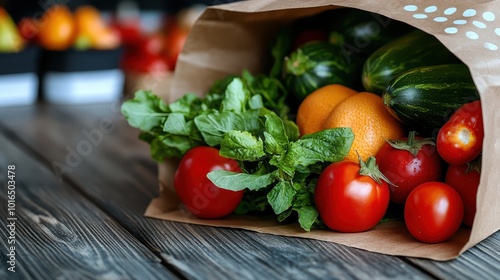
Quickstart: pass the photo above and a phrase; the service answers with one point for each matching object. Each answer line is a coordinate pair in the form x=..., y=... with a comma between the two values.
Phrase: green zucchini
x=364, y=32
x=424, y=98
x=317, y=64
x=415, y=49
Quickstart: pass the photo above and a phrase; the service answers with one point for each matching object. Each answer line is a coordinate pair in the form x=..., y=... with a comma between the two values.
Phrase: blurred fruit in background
x=158, y=50
x=92, y=31
x=28, y=28
x=151, y=56
x=61, y=29
x=57, y=28
x=175, y=37
x=10, y=37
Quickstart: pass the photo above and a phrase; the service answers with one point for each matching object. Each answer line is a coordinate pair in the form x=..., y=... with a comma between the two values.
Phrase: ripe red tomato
x=460, y=139
x=465, y=179
x=433, y=212
x=348, y=201
x=407, y=163
x=200, y=196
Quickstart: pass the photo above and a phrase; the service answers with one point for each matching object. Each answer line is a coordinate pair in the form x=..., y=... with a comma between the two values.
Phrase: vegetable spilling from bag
x=333, y=136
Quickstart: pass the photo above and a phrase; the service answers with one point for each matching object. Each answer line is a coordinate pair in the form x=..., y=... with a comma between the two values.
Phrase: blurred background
x=79, y=52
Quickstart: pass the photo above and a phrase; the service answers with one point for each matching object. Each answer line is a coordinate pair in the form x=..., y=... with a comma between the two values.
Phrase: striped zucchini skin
x=317, y=64
x=424, y=98
x=364, y=31
x=415, y=49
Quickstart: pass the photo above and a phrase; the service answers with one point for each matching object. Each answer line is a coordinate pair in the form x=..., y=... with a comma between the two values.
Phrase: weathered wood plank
x=119, y=176
x=59, y=234
x=482, y=261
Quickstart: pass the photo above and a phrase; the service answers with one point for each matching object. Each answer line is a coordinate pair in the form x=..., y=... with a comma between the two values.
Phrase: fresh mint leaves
x=234, y=103
x=246, y=118
x=146, y=111
x=286, y=168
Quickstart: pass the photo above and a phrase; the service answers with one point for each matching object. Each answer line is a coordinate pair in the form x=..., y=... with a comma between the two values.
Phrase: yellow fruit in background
x=316, y=107
x=370, y=121
x=10, y=38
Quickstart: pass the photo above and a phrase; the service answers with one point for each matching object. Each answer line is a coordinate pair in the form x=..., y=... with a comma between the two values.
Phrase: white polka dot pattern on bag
x=469, y=22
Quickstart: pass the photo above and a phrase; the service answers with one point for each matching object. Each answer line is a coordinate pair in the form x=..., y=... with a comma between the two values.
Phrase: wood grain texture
x=61, y=235
x=119, y=176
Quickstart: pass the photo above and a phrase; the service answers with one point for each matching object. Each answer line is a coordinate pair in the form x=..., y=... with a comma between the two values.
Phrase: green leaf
x=281, y=196
x=307, y=216
x=253, y=201
x=145, y=111
x=271, y=91
x=213, y=126
x=284, y=215
x=220, y=86
x=242, y=145
x=236, y=97
x=329, y=145
x=188, y=105
x=159, y=151
x=279, y=50
x=272, y=146
x=292, y=130
x=275, y=128
x=256, y=102
x=147, y=136
x=176, y=124
x=240, y=181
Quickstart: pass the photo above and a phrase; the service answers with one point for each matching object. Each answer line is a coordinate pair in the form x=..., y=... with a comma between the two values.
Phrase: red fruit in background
x=407, y=163
x=145, y=63
x=150, y=45
x=28, y=28
x=174, y=42
x=465, y=179
x=129, y=32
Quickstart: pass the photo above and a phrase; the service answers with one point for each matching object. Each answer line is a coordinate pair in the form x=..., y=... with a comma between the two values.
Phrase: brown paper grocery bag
x=229, y=38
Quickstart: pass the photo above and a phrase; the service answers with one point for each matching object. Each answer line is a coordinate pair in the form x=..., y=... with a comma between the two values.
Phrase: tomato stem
x=370, y=169
x=412, y=144
x=474, y=165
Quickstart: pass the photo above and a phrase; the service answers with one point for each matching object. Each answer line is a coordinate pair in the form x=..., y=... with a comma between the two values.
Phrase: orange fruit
x=314, y=109
x=57, y=29
x=93, y=32
x=370, y=121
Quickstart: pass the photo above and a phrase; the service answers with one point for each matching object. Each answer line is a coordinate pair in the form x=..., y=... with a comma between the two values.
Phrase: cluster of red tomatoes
x=156, y=52
x=435, y=182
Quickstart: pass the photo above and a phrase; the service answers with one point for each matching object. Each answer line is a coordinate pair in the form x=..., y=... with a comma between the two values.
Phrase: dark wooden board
x=120, y=177
x=60, y=234
x=482, y=261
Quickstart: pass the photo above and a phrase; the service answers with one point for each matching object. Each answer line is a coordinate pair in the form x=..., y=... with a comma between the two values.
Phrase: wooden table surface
x=79, y=208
